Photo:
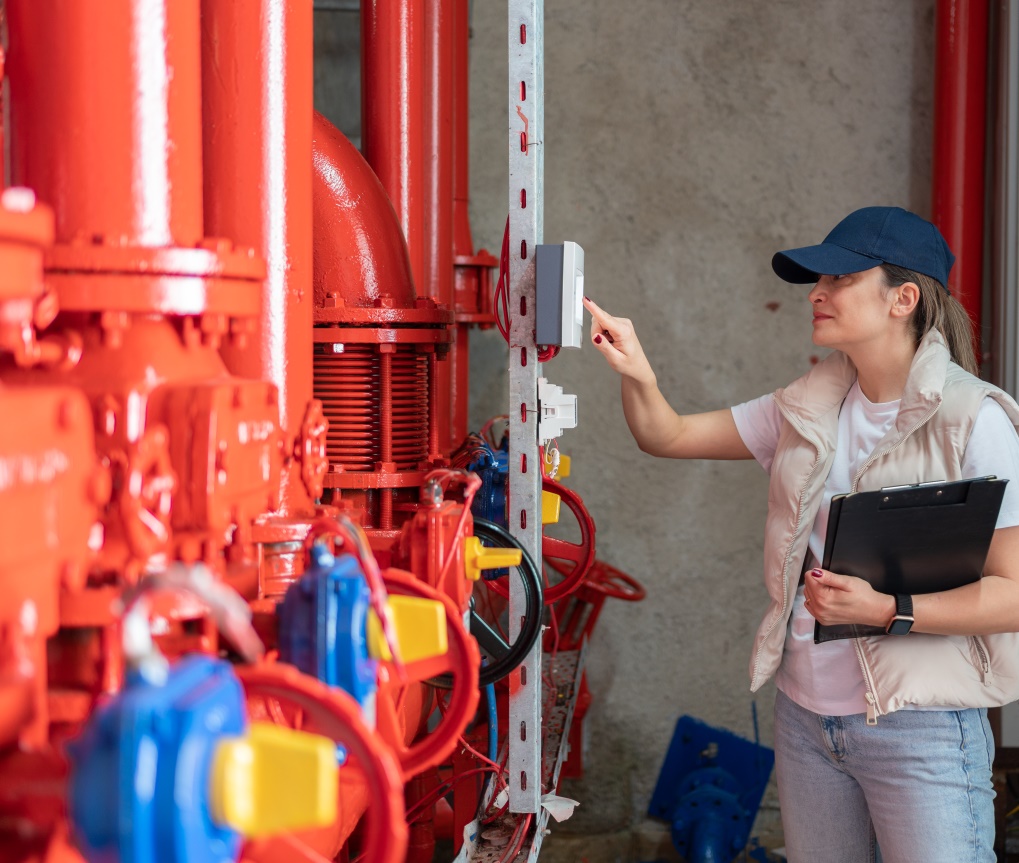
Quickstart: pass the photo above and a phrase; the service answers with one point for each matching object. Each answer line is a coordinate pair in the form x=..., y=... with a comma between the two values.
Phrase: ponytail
x=937, y=309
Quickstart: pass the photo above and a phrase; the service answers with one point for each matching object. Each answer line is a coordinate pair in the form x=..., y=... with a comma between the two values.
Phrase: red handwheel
x=573, y=559
x=614, y=583
x=333, y=713
x=462, y=659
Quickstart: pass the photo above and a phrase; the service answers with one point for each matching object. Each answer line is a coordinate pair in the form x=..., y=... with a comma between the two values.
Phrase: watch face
x=900, y=626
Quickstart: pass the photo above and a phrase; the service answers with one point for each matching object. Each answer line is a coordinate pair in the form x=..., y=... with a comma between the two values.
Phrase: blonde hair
x=937, y=309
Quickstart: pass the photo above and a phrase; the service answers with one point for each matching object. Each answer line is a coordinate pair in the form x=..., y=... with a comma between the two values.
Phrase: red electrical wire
x=516, y=843
x=472, y=482
x=354, y=539
x=487, y=427
x=502, y=287
x=502, y=317
x=482, y=758
x=441, y=790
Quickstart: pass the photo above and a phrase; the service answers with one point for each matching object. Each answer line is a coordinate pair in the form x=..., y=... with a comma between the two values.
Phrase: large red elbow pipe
x=359, y=250
x=960, y=131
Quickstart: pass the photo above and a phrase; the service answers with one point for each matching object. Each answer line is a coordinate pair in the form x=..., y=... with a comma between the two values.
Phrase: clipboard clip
x=917, y=485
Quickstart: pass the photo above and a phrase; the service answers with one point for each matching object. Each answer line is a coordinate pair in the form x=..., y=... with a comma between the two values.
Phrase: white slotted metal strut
x=526, y=181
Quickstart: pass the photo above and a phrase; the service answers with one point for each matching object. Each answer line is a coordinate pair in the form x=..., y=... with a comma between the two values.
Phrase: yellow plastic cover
x=420, y=626
x=274, y=780
x=478, y=558
x=550, y=502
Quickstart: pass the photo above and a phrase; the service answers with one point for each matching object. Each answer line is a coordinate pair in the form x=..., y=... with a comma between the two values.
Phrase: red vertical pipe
x=392, y=104
x=438, y=171
x=106, y=117
x=463, y=242
x=257, y=92
x=960, y=108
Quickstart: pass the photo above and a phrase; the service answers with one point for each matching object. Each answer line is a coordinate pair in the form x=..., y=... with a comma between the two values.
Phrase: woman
x=880, y=742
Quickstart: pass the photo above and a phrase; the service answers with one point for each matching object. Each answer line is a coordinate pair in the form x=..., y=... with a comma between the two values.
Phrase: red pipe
x=463, y=241
x=392, y=103
x=364, y=300
x=472, y=287
x=438, y=171
x=257, y=92
x=122, y=96
x=960, y=131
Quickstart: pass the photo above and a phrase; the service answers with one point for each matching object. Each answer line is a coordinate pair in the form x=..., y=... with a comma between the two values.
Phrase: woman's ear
x=907, y=295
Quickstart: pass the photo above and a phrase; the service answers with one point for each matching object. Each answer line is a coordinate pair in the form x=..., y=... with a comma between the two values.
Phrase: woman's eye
x=837, y=277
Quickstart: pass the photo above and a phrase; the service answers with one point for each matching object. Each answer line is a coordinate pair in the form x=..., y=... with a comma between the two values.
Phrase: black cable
x=496, y=536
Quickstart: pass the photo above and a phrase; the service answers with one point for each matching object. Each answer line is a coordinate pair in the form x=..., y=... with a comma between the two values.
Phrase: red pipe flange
x=462, y=659
x=335, y=714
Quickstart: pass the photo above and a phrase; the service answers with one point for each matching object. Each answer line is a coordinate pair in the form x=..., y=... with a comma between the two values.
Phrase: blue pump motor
x=710, y=788
x=492, y=466
x=139, y=785
x=323, y=625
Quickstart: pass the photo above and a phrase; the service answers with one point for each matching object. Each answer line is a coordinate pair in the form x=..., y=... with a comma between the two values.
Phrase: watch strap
x=904, y=605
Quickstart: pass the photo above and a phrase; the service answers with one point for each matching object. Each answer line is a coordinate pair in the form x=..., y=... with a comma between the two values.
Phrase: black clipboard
x=910, y=539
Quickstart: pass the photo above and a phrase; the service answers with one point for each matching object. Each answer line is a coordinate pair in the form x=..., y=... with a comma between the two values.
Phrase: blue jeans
x=918, y=784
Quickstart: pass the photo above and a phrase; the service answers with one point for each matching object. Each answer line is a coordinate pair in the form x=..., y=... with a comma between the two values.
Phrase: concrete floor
x=685, y=143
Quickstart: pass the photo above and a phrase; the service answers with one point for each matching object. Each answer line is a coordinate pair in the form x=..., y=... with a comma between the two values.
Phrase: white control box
x=558, y=411
x=559, y=273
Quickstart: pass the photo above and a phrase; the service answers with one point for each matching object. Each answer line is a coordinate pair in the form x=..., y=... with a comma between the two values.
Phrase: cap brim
x=803, y=266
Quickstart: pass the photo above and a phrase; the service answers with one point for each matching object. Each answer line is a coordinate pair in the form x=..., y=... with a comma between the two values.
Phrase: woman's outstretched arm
x=656, y=427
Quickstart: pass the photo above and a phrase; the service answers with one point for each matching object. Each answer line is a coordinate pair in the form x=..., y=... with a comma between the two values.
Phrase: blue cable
x=493, y=723
x=493, y=732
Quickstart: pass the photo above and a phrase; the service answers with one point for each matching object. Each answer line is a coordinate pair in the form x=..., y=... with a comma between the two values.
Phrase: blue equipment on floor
x=710, y=788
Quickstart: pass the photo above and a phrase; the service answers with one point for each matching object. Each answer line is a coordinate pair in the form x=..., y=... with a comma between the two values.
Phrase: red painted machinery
x=236, y=563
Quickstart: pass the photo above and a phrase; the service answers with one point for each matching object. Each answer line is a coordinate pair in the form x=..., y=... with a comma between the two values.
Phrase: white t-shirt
x=827, y=678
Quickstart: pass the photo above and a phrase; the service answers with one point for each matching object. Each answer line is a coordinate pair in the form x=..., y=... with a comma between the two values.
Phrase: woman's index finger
x=599, y=314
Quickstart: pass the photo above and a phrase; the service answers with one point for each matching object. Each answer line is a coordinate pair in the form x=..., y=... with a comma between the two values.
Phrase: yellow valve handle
x=564, y=467
x=550, y=502
x=420, y=626
x=273, y=780
x=477, y=557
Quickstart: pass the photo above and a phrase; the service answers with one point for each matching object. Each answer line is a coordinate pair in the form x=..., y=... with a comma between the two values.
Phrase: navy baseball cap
x=868, y=238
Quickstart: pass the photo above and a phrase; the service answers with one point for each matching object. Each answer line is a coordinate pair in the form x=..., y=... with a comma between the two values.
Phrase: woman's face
x=852, y=310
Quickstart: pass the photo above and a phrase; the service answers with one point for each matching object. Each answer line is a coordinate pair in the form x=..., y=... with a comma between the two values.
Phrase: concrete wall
x=685, y=143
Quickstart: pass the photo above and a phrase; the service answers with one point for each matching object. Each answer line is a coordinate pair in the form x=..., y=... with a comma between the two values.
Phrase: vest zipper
x=898, y=443
x=785, y=565
x=985, y=665
x=872, y=706
x=873, y=709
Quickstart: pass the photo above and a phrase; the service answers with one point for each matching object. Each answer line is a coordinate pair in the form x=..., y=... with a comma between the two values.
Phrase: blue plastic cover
x=323, y=625
x=139, y=785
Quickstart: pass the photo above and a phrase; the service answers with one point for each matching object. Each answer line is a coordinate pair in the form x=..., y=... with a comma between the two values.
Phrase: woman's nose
x=815, y=293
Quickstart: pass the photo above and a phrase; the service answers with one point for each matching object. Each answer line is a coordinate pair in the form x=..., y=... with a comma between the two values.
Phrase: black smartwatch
x=902, y=623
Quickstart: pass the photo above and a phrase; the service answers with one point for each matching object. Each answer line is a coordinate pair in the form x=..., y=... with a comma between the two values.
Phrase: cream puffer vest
x=926, y=443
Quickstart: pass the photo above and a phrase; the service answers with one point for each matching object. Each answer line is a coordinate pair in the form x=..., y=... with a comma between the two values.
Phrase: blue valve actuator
x=492, y=466
x=323, y=625
x=140, y=776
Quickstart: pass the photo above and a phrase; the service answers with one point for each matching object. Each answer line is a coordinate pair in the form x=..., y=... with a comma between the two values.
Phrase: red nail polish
x=597, y=340
x=816, y=573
